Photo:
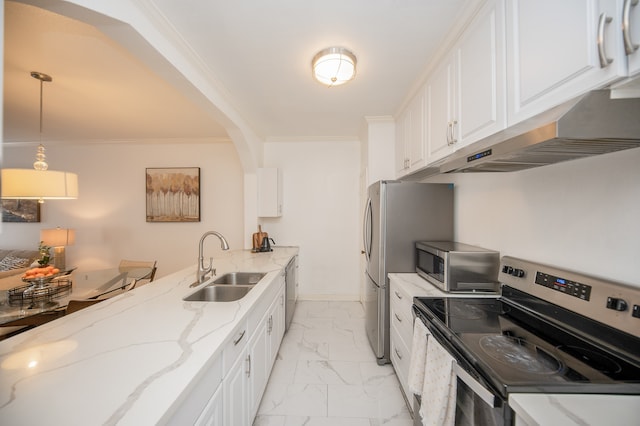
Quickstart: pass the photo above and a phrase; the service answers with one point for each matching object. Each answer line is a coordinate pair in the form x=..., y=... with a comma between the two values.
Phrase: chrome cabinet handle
x=629, y=45
x=249, y=365
x=398, y=353
x=398, y=318
x=602, y=54
x=398, y=295
x=453, y=132
x=235, y=342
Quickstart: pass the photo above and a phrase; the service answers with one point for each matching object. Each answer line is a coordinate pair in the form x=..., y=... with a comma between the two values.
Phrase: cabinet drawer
x=401, y=358
x=236, y=345
x=403, y=325
x=402, y=300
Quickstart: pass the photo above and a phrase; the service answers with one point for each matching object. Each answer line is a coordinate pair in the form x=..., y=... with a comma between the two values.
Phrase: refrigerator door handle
x=367, y=231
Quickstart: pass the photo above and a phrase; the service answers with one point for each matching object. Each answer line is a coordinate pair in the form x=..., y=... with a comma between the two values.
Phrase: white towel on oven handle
x=438, y=406
x=418, y=357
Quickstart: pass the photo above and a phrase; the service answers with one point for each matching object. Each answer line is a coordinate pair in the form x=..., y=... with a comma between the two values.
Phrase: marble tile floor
x=326, y=374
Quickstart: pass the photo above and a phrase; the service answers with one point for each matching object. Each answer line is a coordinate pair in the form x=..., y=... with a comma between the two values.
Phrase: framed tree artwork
x=20, y=211
x=173, y=194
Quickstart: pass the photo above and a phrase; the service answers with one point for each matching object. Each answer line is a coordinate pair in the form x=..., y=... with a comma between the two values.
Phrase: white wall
x=582, y=215
x=109, y=215
x=321, y=214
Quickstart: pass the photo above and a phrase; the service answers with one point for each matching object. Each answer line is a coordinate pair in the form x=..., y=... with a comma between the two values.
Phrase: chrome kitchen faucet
x=202, y=270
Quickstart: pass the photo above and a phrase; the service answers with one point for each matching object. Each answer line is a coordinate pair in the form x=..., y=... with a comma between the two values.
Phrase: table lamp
x=58, y=238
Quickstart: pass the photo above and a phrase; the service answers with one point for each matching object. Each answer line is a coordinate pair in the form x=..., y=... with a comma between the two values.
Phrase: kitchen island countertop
x=130, y=359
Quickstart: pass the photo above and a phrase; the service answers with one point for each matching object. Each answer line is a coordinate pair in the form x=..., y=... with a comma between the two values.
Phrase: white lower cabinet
x=401, y=334
x=213, y=411
x=247, y=379
x=236, y=401
x=236, y=380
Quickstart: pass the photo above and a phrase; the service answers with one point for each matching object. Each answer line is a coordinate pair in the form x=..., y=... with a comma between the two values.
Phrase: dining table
x=21, y=301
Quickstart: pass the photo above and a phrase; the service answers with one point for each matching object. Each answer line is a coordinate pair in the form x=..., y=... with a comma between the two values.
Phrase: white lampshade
x=334, y=66
x=38, y=184
x=58, y=237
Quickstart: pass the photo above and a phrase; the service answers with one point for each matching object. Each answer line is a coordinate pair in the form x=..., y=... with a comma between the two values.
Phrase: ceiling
x=259, y=52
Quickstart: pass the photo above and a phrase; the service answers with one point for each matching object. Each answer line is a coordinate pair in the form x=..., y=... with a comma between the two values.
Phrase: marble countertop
x=129, y=359
x=415, y=284
x=583, y=410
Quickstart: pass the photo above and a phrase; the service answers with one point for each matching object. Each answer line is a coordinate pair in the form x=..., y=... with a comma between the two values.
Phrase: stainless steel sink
x=239, y=278
x=219, y=293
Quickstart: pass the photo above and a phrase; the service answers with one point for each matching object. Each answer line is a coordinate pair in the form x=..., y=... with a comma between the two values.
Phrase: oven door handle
x=484, y=394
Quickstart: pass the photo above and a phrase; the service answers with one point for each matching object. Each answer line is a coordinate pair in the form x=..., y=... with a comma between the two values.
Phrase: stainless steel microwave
x=457, y=267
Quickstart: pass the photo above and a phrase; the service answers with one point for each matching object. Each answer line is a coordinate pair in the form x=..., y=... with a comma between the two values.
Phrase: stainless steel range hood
x=590, y=125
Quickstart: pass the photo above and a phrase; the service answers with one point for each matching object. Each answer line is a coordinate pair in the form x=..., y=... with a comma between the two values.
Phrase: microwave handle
x=484, y=394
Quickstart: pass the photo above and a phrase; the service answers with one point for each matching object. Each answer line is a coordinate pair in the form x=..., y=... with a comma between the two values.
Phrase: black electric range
x=550, y=330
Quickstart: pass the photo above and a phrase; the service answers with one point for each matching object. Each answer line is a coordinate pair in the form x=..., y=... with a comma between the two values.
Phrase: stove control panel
x=563, y=285
x=614, y=304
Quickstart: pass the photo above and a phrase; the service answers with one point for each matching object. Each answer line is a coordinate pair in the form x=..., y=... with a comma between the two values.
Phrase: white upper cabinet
x=269, y=192
x=439, y=95
x=410, y=145
x=480, y=107
x=466, y=93
x=631, y=34
x=403, y=124
x=558, y=50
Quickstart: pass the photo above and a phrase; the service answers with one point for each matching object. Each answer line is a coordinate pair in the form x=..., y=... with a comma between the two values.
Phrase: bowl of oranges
x=41, y=274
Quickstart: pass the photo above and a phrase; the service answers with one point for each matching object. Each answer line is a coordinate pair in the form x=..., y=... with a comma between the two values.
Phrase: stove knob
x=616, y=304
x=518, y=273
x=505, y=269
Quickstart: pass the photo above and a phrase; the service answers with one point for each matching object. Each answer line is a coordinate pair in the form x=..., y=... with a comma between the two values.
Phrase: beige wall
x=109, y=216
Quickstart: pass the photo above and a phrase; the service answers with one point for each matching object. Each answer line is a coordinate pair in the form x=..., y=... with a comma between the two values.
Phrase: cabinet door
x=480, y=77
x=277, y=327
x=439, y=111
x=257, y=366
x=212, y=415
x=403, y=130
x=235, y=394
x=631, y=34
x=554, y=55
x=269, y=192
x=415, y=142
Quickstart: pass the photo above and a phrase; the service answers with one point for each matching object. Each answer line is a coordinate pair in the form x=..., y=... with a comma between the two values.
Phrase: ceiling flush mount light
x=39, y=183
x=334, y=66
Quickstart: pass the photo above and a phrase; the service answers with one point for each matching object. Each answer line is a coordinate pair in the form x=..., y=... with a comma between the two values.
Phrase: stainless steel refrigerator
x=398, y=214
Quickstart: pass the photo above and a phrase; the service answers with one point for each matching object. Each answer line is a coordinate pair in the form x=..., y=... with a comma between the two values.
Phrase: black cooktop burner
x=520, y=354
x=599, y=361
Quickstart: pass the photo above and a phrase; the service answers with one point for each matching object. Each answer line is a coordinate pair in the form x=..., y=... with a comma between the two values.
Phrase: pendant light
x=39, y=183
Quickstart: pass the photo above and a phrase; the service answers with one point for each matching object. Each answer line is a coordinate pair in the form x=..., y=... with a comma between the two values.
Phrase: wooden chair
x=133, y=264
x=76, y=305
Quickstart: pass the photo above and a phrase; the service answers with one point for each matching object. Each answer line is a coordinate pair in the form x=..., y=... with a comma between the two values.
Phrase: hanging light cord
x=41, y=163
